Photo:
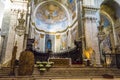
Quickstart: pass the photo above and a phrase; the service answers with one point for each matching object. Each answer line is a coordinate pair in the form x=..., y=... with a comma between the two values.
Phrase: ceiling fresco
x=51, y=13
x=54, y=15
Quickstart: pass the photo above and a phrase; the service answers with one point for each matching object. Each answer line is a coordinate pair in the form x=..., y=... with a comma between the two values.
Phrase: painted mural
x=54, y=16
x=51, y=13
x=49, y=42
x=51, y=17
x=71, y=6
x=37, y=42
x=64, y=41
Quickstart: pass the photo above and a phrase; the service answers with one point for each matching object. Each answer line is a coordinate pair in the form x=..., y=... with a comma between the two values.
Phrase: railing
x=71, y=53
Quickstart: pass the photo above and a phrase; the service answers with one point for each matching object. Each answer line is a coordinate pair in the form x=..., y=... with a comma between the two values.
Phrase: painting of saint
x=74, y=34
x=37, y=42
x=64, y=41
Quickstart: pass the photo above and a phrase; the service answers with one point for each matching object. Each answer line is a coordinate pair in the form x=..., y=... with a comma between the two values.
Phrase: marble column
x=91, y=38
x=11, y=36
x=95, y=45
x=19, y=40
x=57, y=43
x=42, y=42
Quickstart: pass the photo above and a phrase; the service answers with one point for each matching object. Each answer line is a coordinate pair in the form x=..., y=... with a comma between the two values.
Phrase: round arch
x=51, y=28
x=111, y=9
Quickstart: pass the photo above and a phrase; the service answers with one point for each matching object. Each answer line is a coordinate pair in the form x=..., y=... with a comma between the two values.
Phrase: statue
x=101, y=34
x=20, y=29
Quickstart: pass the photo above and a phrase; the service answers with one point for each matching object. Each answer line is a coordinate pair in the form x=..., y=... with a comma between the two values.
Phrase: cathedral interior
x=56, y=39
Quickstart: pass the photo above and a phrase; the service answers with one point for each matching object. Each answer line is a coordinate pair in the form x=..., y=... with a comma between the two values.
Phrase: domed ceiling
x=51, y=16
x=51, y=13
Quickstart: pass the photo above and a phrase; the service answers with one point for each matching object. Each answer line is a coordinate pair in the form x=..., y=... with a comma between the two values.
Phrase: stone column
x=11, y=37
x=19, y=40
x=42, y=42
x=57, y=42
x=95, y=42
x=27, y=25
x=80, y=29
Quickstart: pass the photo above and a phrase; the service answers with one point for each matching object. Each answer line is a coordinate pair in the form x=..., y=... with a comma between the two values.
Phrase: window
x=49, y=44
x=89, y=2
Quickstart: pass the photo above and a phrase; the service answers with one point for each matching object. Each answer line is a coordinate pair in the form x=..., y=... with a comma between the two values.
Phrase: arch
x=66, y=10
x=108, y=16
x=49, y=44
x=111, y=7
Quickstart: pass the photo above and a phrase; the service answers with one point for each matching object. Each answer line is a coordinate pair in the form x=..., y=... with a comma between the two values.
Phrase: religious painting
x=49, y=43
x=50, y=13
x=63, y=41
x=37, y=42
x=71, y=6
x=51, y=17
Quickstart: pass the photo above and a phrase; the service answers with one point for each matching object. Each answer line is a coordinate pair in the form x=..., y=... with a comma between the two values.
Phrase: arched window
x=49, y=45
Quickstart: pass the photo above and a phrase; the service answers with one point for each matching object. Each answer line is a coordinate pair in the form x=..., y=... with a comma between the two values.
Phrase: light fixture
x=20, y=28
x=108, y=60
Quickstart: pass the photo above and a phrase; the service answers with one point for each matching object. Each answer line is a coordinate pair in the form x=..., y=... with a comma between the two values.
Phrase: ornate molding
x=20, y=1
x=58, y=36
x=108, y=10
x=90, y=8
x=41, y=35
x=33, y=24
x=90, y=18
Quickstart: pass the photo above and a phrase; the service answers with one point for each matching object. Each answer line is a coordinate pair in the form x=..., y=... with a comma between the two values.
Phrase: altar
x=61, y=62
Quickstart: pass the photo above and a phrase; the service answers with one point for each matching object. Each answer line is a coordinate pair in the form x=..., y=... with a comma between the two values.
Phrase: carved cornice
x=33, y=24
x=90, y=8
x=20, y=1
x=90, y=18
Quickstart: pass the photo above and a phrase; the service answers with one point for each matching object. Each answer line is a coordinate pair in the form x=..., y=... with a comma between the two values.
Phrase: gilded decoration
x=41, y=35
x=57, y=36
x=108, y=10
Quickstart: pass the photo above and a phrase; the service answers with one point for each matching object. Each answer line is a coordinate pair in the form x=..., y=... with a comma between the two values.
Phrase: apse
x=51, y=17
x=52, y=22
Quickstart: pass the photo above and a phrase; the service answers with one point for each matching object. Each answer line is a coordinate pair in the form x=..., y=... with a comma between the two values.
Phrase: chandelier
x=20, y=28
